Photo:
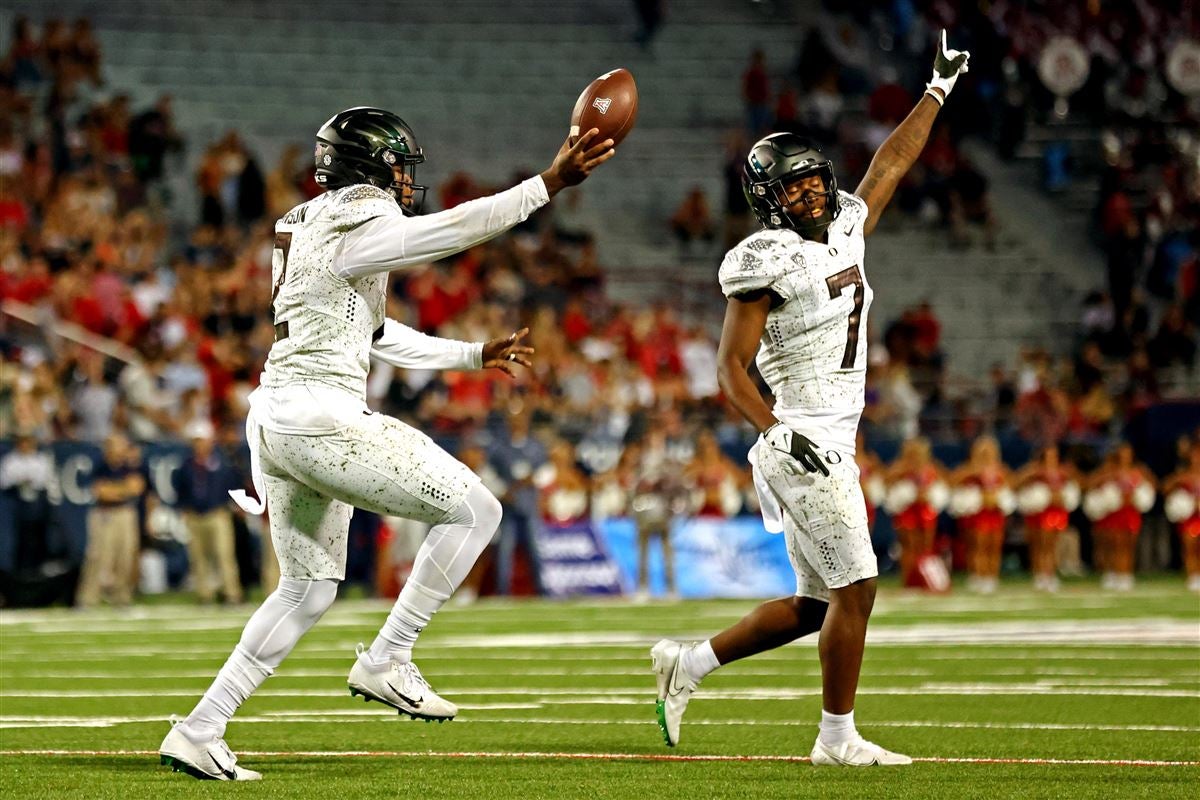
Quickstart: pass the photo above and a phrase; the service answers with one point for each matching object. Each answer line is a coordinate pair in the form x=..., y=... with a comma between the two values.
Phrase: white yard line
x=351, y=715
x=765, y=693
x=608, y=757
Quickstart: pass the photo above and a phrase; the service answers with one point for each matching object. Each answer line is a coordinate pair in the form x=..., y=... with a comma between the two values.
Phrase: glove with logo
x=797, y=452
x=947, y=66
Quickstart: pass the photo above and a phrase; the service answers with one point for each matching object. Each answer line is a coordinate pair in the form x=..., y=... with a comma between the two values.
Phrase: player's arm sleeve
x=404, y=347
x=395, y=242
x=745, y=270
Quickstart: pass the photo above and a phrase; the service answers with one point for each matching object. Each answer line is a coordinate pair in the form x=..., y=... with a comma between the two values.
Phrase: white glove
x=797, y=452
x=947, y=66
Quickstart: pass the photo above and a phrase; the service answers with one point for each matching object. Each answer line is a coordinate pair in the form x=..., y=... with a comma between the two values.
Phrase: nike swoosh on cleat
x=675, y=688
x=404, y=697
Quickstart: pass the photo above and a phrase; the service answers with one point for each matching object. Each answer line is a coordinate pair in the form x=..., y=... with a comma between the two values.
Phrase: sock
x=698, y=661
x=413, y=609
x=442, y=564
x=276, y=627
x=837, y=728
x=236, y=681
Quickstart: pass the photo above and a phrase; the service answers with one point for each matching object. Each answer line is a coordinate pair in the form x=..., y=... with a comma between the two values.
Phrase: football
x=609, y=103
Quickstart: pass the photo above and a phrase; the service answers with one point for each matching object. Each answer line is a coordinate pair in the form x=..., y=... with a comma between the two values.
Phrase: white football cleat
x=675, y=687
x=856, y=752
x=400, y=686
x=210, y=761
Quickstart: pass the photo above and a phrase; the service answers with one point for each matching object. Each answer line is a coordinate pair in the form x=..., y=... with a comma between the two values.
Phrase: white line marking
x=767, y=694
x=607, y=757
x=367, y=715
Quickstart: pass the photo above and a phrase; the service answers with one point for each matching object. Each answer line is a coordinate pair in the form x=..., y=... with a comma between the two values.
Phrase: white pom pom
x=566, y=505
x=937, y=495
x=608, y=501
x=1143, y=497
x=1006, y=501
x=1070, y=496
x=1094, y=505
x=1113, y=499
x=1034, y=498
x=965, y=501
x=731, y=497
x=875, y=490
x=900, y=495
x=544, y=475
x=1179, y=505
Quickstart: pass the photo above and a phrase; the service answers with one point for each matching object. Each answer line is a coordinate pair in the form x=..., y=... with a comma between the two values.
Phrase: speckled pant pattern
x=313, y=484
x=825, y=525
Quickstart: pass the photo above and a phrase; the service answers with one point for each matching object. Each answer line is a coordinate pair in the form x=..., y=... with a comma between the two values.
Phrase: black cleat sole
x=402, y=711
x=178, y=765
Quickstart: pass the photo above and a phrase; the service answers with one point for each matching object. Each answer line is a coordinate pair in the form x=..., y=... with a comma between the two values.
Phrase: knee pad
x=310, y=598
x=479, y=510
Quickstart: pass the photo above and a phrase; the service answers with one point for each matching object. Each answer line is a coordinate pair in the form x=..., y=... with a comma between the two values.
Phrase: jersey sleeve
x=356, y=205
x=753, y=265
x=388, y=244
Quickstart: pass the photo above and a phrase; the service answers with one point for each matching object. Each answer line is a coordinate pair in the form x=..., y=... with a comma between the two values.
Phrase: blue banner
x=75, y=464
x=713, y=558
x=574, y=560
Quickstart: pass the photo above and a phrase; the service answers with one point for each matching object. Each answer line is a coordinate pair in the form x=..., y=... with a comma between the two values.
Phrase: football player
x=797, y=306
x=317, y=451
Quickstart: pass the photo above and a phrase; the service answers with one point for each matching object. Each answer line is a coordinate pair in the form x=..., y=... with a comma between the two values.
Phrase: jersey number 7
x=837, y=284
x=283, y=243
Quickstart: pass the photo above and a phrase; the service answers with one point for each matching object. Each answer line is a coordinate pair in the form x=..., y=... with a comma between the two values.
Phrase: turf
x=557, y=701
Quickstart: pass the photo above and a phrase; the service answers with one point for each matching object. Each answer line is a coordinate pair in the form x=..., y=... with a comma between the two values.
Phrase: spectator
x=27, y=475
x=650, y=15
x=693, y=222
x=756, y=92
x=110, y=561
x=94, y=401
x=152, y=136
x=516, y=454
x=202, y=484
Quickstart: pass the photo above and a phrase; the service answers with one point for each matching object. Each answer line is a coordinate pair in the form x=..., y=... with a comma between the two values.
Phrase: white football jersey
x=330, y=320
x=814, y=349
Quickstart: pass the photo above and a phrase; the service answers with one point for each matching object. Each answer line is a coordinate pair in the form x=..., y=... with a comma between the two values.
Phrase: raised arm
x=903, y=147
x=395, y=242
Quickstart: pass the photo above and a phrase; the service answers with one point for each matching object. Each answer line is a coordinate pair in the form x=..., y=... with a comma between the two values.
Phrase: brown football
x=609, y=103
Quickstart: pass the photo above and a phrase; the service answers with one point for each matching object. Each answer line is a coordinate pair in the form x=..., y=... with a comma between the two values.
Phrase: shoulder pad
x=362, y=202
x=755, y=263
x=854, y=212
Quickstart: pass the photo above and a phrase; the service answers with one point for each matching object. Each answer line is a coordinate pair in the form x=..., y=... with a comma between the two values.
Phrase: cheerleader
x=713, y=483
x=1047, y=493
x=564, y=491
x=916, y=494
x=1120, y=492
x=982, y=500
x=1182, y=505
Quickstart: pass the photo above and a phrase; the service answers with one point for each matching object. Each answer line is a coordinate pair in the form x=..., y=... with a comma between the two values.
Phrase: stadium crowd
x=140, y=336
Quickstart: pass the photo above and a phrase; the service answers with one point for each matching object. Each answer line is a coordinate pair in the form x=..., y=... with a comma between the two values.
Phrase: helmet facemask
x=782, y=215
x=409, y=194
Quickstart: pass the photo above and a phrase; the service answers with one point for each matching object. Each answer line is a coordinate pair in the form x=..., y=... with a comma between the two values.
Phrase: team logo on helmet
x=602, y=103
x=389, y=157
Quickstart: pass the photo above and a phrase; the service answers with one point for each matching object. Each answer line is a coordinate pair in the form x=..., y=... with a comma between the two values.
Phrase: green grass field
x=1014, y=695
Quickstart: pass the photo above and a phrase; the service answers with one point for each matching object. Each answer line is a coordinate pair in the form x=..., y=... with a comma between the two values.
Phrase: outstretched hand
x=576, y=160
x=504, y=354
x=948, y=64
